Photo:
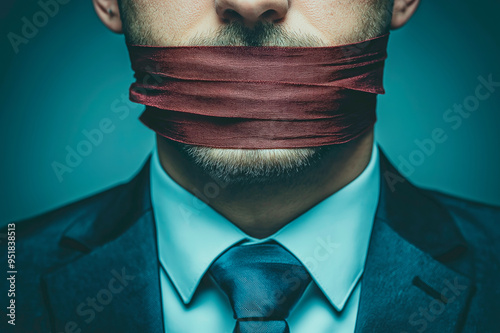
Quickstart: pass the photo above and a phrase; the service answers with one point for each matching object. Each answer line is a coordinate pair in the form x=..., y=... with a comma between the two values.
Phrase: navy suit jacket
x=433, y=264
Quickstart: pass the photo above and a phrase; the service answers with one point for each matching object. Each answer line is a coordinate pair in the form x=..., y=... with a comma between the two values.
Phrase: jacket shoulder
x=47, y=228
x=480, y=226
x=48, y=241
x=99, y=213
x=478, y=222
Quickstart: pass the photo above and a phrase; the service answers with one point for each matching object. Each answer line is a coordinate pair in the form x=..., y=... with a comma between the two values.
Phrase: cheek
x=337, y=20
x=182, y=14
x=171, y=20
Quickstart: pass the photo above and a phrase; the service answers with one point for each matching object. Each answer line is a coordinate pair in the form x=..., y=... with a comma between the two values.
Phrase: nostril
x=231, y=15
x=269, y=15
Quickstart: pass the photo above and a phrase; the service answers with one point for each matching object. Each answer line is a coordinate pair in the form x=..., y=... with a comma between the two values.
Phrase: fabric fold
x=259, y=97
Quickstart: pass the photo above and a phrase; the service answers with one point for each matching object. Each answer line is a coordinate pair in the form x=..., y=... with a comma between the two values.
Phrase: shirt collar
x=330, y=239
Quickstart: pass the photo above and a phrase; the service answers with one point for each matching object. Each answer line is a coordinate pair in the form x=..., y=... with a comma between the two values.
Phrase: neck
x=262, y=209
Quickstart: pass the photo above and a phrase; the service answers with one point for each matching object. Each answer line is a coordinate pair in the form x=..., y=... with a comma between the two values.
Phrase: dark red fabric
x=259, y=97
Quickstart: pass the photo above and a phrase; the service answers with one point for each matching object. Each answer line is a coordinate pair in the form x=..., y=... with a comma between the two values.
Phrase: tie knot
x=262, y=281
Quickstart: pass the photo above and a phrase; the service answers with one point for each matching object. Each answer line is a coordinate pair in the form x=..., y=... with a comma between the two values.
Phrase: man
x=186, y=245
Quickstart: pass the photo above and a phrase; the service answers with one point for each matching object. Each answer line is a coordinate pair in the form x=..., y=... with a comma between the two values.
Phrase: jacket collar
x=416, y=216
x=407, y=285
x=405, y=274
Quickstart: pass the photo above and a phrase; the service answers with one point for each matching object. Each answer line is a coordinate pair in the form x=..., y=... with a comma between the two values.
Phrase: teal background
x=74, y=73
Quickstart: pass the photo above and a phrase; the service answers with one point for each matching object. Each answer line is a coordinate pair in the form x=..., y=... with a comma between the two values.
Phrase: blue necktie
x=263, y=282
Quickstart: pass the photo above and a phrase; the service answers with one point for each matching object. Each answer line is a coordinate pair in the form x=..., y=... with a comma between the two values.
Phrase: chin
x=246, y=166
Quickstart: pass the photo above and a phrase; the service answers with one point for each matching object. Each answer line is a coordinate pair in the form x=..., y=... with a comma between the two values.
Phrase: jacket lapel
x=114, y=285
x=406, y=285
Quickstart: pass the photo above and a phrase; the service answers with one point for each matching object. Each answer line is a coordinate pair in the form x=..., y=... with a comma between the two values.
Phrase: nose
x=251, y=11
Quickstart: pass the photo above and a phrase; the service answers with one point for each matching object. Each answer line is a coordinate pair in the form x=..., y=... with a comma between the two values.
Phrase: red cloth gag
x=259, y=97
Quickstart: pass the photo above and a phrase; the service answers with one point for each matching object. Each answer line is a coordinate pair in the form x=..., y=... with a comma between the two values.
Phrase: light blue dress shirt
x=330, y=239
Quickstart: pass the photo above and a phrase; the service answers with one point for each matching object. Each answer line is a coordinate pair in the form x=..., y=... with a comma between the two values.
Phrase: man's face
x=253, y=23
x=238, y=22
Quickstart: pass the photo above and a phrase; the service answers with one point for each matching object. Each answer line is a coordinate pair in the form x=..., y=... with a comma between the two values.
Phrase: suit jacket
x=433, y=264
